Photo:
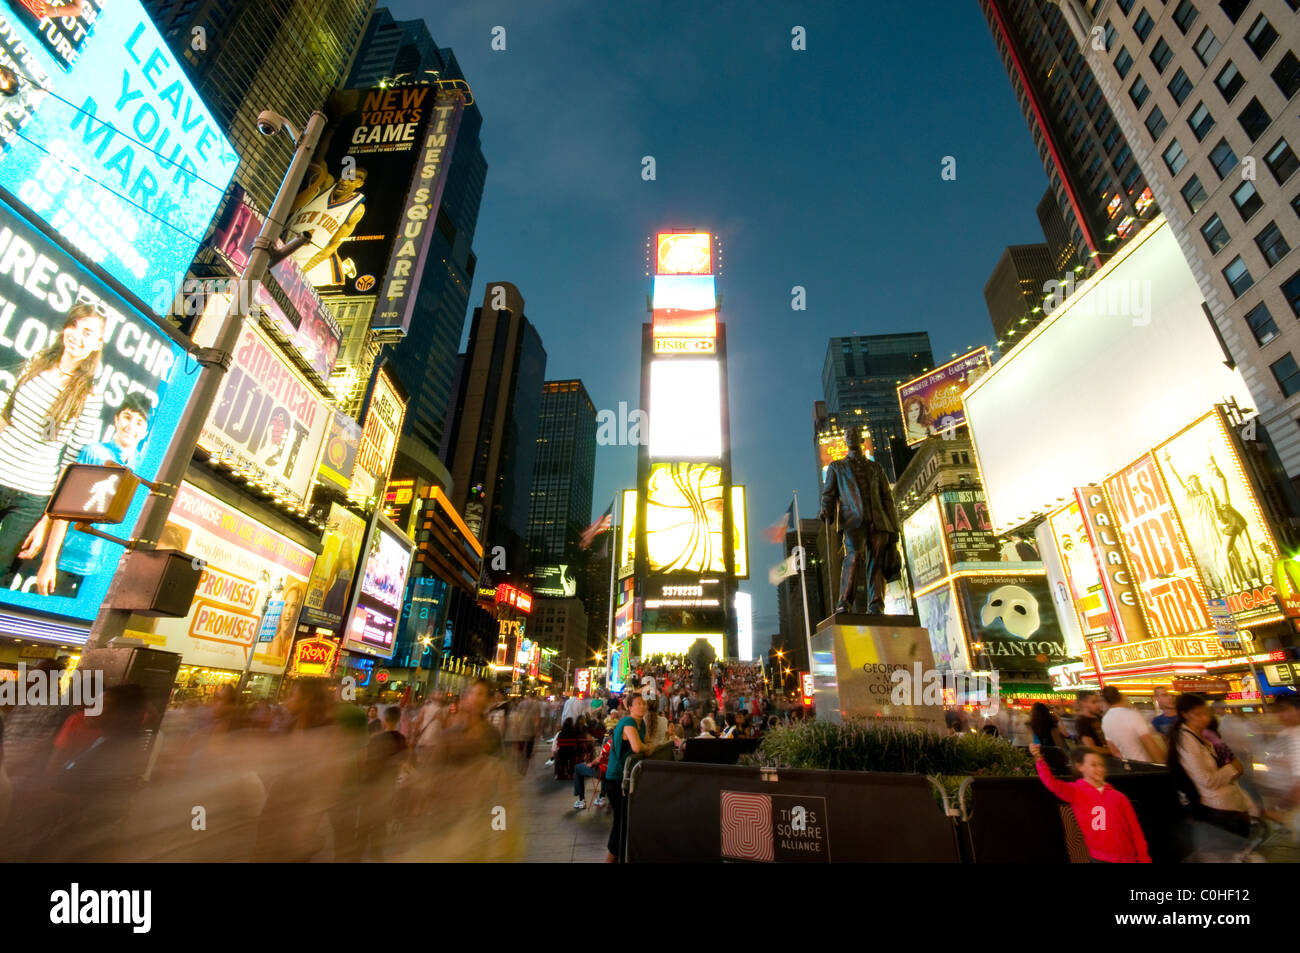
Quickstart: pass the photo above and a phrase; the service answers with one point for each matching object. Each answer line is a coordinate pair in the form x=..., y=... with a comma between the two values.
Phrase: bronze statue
x=857, y=494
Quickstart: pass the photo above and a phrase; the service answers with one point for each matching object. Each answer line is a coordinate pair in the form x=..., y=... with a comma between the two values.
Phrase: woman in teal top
x=629, y=738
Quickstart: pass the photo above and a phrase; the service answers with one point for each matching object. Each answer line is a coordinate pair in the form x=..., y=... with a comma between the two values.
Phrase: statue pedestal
x=874, y=667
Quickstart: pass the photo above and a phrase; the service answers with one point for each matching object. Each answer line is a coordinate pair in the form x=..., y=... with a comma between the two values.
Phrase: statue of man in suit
x=857, y=495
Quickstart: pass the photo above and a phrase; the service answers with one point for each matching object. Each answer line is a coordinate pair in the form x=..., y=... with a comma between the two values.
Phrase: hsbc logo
x=684, y=345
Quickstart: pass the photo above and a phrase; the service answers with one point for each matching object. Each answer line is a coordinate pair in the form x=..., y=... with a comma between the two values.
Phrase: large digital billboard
x=250, y=567
x=739, y=536
x=1112, y=372
x=378, y=603
x=268, y=422
x=627, y=541
x=685, y=408
x=107, y=140
x=683, y=518
x=129, y=384
x=1173, y=599
x=932, y=403
x=372, y=194
x=683, y=253
x=379, y=437
x=1012, y=617
x=923, y=545
x=1220, y=517
x=326, y=599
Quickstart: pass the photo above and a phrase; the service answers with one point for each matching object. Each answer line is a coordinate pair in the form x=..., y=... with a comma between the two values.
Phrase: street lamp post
x=215, y=361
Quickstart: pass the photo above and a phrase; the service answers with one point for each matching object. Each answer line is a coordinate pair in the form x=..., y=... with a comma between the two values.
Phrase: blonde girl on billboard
x=52, y=412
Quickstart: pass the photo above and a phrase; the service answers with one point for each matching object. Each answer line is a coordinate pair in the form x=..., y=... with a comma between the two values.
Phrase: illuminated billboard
x=108, y=142
x=740, y=538
x=1080, y=568
x=1173, y=599
x=138, y=370
x=684, y=332
x=1112, y=564
x=372, y=195
x=932, y=403
x=379, y=437
x=268, y=423
x=246, y=562
x=923, y=545
x=940, y=617
x=683, y=253
x=697, y=293
x=744, y=626
x=685, y=409
x=683, y=518
x=969, y=534
x=627, y=544
x=1220, y=517
x=676, y=643
x=340, y=454
x=1012, y=617
x=379, y=597
x=556, y=581
x=330, y=585
x=1130, y=346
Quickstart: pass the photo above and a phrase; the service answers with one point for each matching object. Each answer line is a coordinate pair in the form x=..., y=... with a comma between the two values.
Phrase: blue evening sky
x=818, y=168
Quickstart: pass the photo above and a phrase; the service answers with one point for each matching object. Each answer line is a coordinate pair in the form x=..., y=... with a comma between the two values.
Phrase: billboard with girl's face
x=932, y=403
x=84, y=377
x=328, y=589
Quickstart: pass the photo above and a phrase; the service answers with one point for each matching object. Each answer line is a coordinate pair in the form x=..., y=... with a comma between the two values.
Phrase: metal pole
x=111, y=623
x=803, y=583
x=609, y=632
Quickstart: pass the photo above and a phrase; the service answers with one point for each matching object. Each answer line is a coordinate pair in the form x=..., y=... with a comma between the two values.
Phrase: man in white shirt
x=573, y=708
x=1127, y=733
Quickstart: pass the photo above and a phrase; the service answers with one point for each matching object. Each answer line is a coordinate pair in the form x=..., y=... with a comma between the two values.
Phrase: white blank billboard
x=1127, y=361
x=685, y=409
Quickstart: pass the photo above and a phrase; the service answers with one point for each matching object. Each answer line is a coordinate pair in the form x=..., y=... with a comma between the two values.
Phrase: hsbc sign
x=685, y=345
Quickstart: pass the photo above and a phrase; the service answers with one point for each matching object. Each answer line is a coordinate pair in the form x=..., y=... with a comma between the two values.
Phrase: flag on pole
x=595, y=529
x=779, y=574
x=776, y=532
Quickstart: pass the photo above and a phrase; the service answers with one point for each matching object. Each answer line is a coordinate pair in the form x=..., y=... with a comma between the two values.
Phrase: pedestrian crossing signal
x=88, y=493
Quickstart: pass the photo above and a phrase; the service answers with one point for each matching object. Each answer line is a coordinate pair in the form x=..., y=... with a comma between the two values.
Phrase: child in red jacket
x=1110, y=828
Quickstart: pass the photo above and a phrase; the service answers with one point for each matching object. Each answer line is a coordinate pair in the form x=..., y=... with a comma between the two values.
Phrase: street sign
x=87, y=493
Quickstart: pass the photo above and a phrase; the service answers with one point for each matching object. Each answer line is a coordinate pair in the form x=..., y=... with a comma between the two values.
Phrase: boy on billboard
x=328, y=210
x=71, y=555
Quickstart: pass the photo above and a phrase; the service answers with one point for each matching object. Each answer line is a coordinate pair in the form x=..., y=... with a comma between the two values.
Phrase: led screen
x=684, y=518
x=683, y=253
x=740, y=541
x=684, y=292
x=379, y=598
x=685, y=409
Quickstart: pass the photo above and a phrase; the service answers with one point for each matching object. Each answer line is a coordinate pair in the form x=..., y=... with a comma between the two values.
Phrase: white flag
x=778, y=574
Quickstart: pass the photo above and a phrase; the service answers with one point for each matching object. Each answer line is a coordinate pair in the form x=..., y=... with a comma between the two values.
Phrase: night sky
x=818, y=168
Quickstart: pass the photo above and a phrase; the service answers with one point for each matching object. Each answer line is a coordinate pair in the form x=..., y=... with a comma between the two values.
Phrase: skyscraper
x=424, y=361
x=1097, y=185
x=1014, y=291
x=1206, y=93
x=563, y=473
x=492, y=442
x=860, y=379
x=245, y=56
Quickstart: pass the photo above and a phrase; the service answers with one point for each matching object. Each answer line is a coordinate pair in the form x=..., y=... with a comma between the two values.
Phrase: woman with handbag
x=1211, y=789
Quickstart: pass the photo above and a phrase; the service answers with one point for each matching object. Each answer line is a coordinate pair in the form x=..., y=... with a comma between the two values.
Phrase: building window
x=1112, y=137
x=1254, y=119
x=1287, y=74
x=1247, y=200
x=1215, y=235
x=1156, y=123
x=1142, y=25
x=1175, y=158
x=1223, y=159
x=1161, y=54
x=1207, y=44
x=1194, y=194
x=1131, y=177
x=1287, y=375
x=1122, y=157
x=1123, y=62
x=1282, y=161
x=1110, y=35
x=1261, y=36
x=1139, y=91
x=1271, y=244
x=1126, y=6
x=1180, y=86
x=1261, y=324
x=1229, y=81
x=1093, y=101
x=1185, y=15
x=1291, y=291
x=1295, y=206
x=1238, y=277
x=1201, y=122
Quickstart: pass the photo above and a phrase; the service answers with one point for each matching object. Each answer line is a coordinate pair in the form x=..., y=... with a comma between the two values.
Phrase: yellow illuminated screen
x=740, y=547
x=684, y=253
x=685, y=323
x=627, y=546
x=676, y=643
x=683, y=518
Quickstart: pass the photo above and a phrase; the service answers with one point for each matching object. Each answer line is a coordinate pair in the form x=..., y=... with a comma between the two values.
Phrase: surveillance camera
x=268, y=122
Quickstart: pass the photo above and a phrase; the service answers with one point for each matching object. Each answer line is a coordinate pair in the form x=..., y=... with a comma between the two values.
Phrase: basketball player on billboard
x=328, y=210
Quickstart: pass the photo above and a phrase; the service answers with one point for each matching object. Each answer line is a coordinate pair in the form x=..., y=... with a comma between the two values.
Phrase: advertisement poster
x=684, y=518
x=1112, y=564
x=1012, y=616
x=331, y=579
x=107, y=141
x=1087, y=595
x=372, y=195
x=287, y=298
x=246, y=562
x=140, y=388
x=1221, y=518
x=381, y=592
x=1173, y=600
x=940, y=617
x=932, y=404
x=340, y=454
x=967, y=528
x=379, y=433
x=268, y=422
x=556, y=581
x=923, y=544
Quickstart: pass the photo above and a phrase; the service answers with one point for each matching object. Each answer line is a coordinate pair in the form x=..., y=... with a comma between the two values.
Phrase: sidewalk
x=557, y=834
